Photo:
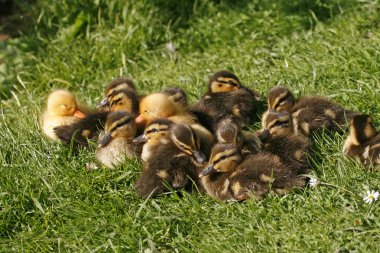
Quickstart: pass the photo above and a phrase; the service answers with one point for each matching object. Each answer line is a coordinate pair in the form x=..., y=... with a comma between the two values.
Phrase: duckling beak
x=265, y=134
x=207, y=171
x=199, y=156
x=140, y=139
x=79, y=114
x=103, y=103
x=140, y=119
x=105, y=140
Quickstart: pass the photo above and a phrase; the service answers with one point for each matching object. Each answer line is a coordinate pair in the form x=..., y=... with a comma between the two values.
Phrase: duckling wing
x=80, y=132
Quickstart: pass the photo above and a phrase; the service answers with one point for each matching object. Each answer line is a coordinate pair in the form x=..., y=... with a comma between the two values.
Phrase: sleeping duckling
x=121, y=83
x=89, y=127
x=159, y=105
x=310, y=114
x=116, y=144
x=278, y=139
x=227, y=177
x=363, y=141
x=229, y=132
x=169, y=157
x=62, y=109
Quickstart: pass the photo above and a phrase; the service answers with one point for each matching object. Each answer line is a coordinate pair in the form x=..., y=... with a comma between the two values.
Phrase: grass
x=50, y=202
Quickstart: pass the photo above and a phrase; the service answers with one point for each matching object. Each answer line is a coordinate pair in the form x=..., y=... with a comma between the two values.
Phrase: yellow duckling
x=79, y=132
x=62, y=109
x=363, y=142
x=159, y=105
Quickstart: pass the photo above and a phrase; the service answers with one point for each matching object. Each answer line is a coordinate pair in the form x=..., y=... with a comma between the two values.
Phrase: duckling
x=280, y=99
x=225, y=81
x=121, y=83
x=89, y=127
x=278, y=138
x=116, y=144
x=363, y=141
x=159, y=105
x=226, y=98
x=62, y=109
x=169, y=157
x=178, y=97
x=229, y=132
x=228, y=177
x=310, y=114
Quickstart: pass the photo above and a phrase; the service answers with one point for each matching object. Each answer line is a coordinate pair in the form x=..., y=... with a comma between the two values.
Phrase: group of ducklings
x=205, y=145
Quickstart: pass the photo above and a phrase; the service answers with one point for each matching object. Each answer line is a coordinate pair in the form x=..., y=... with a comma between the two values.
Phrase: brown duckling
x=229, y=132
x=278, y=138
x=89, y=127
x=121, y=83
x=227, y=177
x=169, y=157
x=310, y=114
x=116, y=144
x=226, y=98
x=62, y=109
x=363, y=142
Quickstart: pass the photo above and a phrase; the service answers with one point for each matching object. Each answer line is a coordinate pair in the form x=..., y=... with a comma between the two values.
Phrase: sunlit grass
x=50, y=202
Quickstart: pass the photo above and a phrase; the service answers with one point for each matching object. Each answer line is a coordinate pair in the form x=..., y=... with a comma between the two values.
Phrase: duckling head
x=361, y=129
x=156, y=131
x=227, y=131
x=119, y=124
x=155, y=106
x=275, y=124
x=224, y=158
x=177, y=96
x=123, y=100
x=223, y=81
x=280, y=99
x=187, y=141
x=63, y=103
x=115, y=85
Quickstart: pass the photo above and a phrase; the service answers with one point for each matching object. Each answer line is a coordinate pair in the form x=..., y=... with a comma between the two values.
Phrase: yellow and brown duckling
x=116, y=145
x=229, y=132
x=170, y=155
x=228, y=177
x=62, y=109
x=115, y=85
x=363, y=142
x=89, y=127
x=226, y=98
x=278, y=138
x=310, y=114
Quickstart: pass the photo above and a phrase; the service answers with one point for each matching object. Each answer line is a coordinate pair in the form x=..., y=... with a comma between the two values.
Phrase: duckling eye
x=223, y=157
x=220, y=85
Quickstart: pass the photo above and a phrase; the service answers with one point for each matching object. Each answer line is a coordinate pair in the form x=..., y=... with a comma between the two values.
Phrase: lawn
x=50, y=202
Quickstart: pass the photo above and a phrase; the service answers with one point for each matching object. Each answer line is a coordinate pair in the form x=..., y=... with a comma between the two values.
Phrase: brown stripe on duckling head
x=280, y=99
x=124, y=100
